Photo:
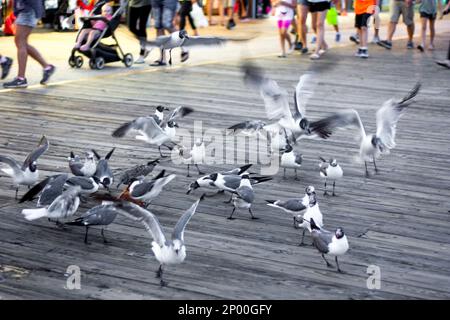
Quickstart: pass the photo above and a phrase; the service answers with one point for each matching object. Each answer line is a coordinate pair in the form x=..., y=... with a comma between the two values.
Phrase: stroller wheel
x=99, y=63
x=79, y=61
x=128, y=60
x=72, y=63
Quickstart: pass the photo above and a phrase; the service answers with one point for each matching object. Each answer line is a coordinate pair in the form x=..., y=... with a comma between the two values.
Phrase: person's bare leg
x=209, y=11
x=391, y=30
x=303, y=14
x=160, y=32
x=32, y=52
x=81, y=37
x=423, y=31
x=91, y=37
x=21, y=39
x=314, y=26
x=320, y=25
x=363, y=37
x=281, y=33
x=432, y=33
x=410, y=29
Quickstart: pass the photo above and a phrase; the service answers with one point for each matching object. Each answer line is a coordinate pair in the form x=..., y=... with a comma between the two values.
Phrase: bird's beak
x=186, y=36
x=166, y=109
x=176, y=125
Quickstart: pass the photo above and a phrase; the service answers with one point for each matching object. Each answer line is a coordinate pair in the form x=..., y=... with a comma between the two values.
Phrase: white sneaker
x=291, y=49
x=375, y=39
x=140, y=60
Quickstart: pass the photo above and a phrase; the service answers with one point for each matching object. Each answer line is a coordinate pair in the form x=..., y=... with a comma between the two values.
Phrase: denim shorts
x=163, y=17
x=27, y=18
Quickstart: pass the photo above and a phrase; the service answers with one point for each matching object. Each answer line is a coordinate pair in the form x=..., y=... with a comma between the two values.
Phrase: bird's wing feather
x=303, y=92
x=148, y=219
x=203, y=41
x=178, y=231
x=325, y=127
x=36, y=153
x=11, y=163
x=321, y=239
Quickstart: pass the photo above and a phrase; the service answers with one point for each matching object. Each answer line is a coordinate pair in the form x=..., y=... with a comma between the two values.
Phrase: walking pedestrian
x=5, y=64
x=138, y=15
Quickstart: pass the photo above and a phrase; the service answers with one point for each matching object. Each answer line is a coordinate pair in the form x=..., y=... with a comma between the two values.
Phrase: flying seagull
x=167, y=252
x=371, y=145
x=150, y=131
x=335, y=244
x=330, y=171
x=27, y=173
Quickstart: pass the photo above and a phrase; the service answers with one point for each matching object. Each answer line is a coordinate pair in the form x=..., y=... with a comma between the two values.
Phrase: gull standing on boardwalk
x=312, y=212
x=297, y=206
x=102, y=215
x=86, y=167
x=142, y=170
x=243, y=197
x=48, y=189
x=167, y=252
x=62, y=207
x=103, y=172
x=26, y=174
x=372, y=145
x=330, y=170
x=290, y=158
x=195, y=156
x=152, y=132
x=335, y=244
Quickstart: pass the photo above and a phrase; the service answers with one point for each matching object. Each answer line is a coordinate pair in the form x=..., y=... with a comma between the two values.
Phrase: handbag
x=198, y=16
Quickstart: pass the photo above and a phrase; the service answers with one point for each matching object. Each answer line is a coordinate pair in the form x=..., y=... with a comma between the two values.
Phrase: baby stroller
x=101, y=53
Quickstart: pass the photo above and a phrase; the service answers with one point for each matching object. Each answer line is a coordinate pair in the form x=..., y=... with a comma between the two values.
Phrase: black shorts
x=361, y=20
x=318, y=6
x=428, y=16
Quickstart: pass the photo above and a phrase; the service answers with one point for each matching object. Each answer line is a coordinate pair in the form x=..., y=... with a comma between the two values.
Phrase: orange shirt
x=364, y=6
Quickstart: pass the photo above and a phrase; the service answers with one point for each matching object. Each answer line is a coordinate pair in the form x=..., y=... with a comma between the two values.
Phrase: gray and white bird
x=243, y=197
x=83, y=167
x=146, y=191
x=48, y=190
x=334, y=244
x=296, y=206
x=104, y=173
x=290, y=159
x=159, y=114
x=167, y=252
x=181, y=39
x=312, y=212
x=195, y=156
x=142, y=170
x=26, y=174
x=87, y=185
x=102, y=215
x=150, y=131
x=64, y=206
x=371, y=146
x=330, y=171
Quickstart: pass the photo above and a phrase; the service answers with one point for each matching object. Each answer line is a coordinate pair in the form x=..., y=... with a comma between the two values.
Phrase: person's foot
x=304, y=50
x=48, y=72
x=385, y=44
x=431, y=47
x=16, y=83
x=313, y=39
x=364, y=53
x=84, y=47
x=291, y=49
x=6, y=66
x=375, y=39
x=184, y=56
x=231, y=24
x=337, y=38
x=298, y=46
x=322, y=52
x=354, y=38
x=158, y=63
x=282, y=55
x=410, y=45
x=444, y=63
x=420, y=48
x=314, y=56
x=358, y=53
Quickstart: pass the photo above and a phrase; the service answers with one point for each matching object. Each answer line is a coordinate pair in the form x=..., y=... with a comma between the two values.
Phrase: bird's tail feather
x=33, y=214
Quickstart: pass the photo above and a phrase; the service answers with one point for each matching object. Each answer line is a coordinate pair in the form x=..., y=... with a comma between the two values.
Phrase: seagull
x=131, y=174
x=26, y=174
x=296, y=206
x=181, y=39
x=48, y=189
x=167, y=252
x=146, y=191
x=159, y=114
x=195, y=156
x=86, y=167
x=291, y=159
x=102, y=215
x=335, y=244
x=371, y=145
x=152, y=132
x=330, y=170
x=103, y=173
x=62, y=207
x=312, y=212
x=243, y=197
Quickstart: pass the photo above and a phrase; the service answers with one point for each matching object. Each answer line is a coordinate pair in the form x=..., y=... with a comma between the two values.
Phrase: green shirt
x=139, y=3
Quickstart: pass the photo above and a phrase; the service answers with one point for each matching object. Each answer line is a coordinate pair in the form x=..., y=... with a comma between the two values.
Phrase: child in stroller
x=96, y=27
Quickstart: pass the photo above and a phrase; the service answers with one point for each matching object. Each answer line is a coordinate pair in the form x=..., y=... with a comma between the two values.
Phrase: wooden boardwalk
x=405, y=209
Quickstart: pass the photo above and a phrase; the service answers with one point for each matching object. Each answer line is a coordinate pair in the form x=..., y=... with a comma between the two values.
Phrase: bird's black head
x=172, y=124
x=312, y=199
x=194, y=185
x=33, y=166
x=288, y=148
x=304, y=125
x=376, y=143
x=213, y=176
x=339, y=233
x=333, y=162
x=245, y=176
x=310, y=190
x=161, y=108
x=106, y=182
x=183, y=34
